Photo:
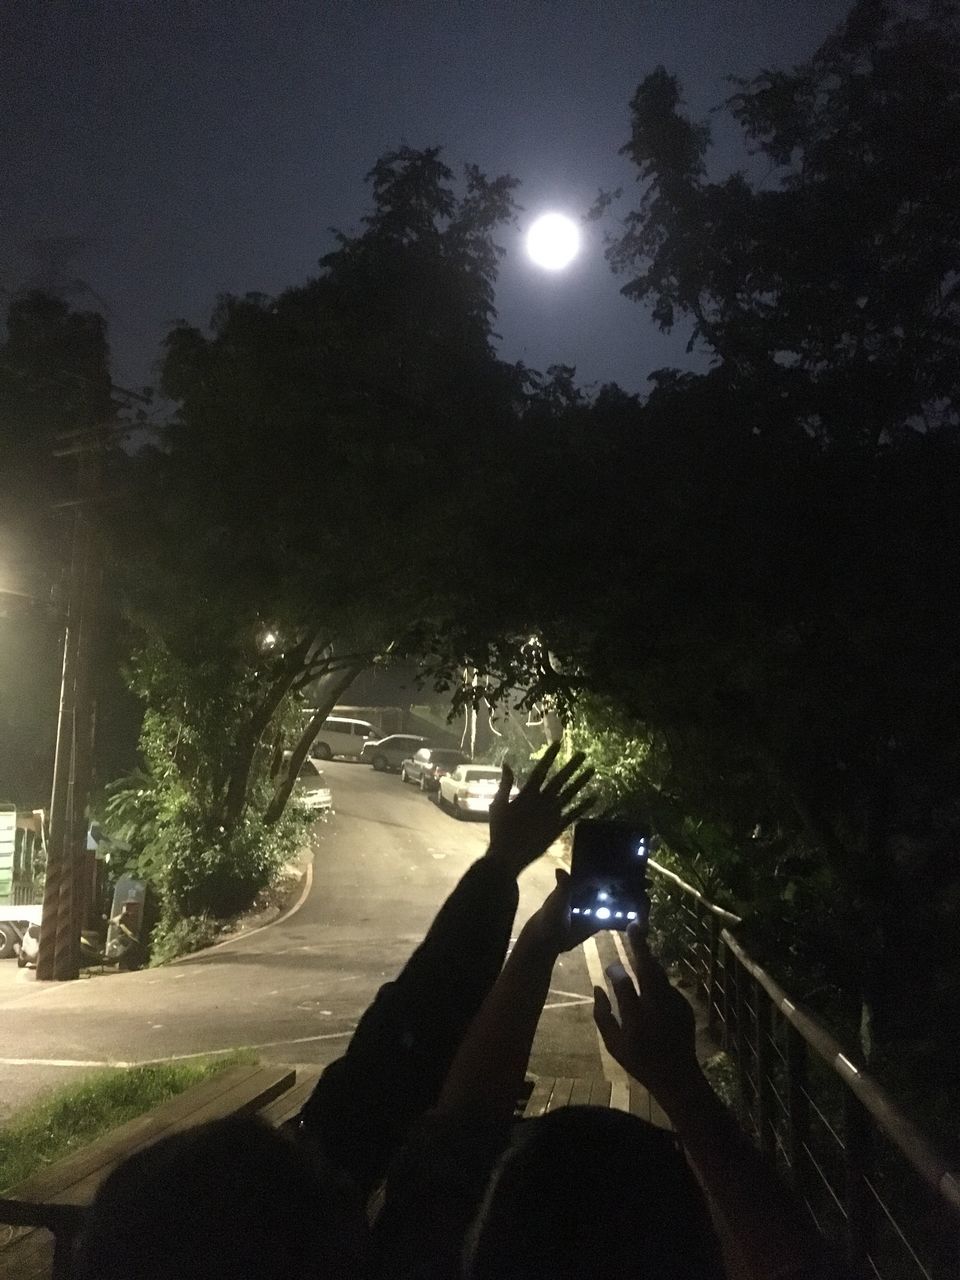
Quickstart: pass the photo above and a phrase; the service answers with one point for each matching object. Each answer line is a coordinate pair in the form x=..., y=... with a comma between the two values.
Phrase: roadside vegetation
x=74, y=1116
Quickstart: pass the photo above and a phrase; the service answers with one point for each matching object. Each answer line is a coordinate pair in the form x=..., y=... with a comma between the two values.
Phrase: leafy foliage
x=831, y=281
x=756, y=566
x=279, y=555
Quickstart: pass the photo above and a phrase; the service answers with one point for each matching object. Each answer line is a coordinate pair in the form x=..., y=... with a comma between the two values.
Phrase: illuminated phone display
x=609, y=872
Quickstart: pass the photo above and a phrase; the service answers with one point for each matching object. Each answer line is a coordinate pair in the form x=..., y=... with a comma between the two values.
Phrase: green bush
x=219, y=874
x=202, y=874
x=175, y=937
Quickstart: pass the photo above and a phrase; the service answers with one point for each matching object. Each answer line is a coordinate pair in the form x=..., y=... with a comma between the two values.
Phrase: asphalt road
x=295, y=989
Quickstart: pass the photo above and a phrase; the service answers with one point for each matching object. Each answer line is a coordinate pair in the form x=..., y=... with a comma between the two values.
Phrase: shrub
x=180, y=937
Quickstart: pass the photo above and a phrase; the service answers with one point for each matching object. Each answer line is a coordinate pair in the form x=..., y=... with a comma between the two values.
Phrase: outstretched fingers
x=573, y=814
x=610, y=1030
x=567, y=794
x=556, y=783
x=506, y=779
x=628, y=1001
x=542, y=767
x=651, y=976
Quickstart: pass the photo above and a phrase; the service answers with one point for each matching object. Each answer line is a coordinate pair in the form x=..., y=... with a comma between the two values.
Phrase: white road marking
x=619, y=1080
x=620, y=1097
x=621, y=951
x=61, y=1062
x=173, y=1057
x=620, y=1094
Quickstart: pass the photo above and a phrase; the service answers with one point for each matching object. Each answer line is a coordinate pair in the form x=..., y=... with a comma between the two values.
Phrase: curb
x=306, y=884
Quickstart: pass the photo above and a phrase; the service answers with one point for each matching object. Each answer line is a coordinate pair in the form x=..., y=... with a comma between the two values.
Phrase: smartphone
x=608, y=873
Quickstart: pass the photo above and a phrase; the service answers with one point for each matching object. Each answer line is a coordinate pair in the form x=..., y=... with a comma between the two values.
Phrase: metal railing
x=870, y=1180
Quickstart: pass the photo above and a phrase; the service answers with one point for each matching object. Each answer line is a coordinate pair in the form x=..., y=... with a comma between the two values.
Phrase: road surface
x=295, y=990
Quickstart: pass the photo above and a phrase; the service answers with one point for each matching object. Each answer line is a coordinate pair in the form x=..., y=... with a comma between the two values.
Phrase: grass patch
x=71, y=1117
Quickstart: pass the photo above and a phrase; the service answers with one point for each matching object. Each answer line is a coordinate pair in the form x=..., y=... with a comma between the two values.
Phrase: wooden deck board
x=289, y=1103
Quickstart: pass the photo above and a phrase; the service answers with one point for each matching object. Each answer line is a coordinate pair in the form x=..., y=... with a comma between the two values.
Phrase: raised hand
x=523, y=828
x=654, y=1041
x=553, y=927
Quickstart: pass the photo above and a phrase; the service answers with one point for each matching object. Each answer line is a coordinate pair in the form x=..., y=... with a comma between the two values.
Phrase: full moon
x=553, y=241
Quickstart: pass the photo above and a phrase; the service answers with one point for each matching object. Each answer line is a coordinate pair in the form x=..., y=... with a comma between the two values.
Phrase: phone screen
x=609, y=872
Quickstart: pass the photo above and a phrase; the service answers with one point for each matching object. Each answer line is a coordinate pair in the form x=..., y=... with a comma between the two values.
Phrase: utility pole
x=67, y=891
x=65, y=888
x=59, y=870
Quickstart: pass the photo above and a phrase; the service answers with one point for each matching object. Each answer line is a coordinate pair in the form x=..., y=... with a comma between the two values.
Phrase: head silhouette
x=588, y=1193
x=228, y=1199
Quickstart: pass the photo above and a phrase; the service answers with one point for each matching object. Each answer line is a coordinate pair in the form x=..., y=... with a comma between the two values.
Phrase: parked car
x=428, y=765
x=470, y=788
x=390, y=752
x=343, y=736
x=311, y=790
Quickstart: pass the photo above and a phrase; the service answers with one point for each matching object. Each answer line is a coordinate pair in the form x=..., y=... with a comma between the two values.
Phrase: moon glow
x=553, y=241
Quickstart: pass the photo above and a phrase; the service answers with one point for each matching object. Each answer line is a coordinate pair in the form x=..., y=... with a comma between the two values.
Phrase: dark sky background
x=193, y=148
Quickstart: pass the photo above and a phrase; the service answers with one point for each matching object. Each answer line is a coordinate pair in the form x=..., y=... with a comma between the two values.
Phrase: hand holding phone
x=609, y=873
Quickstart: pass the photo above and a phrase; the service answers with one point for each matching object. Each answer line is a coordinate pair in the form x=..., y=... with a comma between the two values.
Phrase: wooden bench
x=275, y=1093
x=27, y=1252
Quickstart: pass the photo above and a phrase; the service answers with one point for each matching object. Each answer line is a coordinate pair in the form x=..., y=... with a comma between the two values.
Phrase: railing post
x=743, y=1042
x=856, y=1158
x=690, y=948
x=713, y=975
x=765, y=1026
x=703, y=939
x=798, y=1110
x=727, y=1008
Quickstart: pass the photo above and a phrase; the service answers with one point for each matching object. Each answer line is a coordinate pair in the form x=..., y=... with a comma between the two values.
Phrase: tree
x=305, y=425
x=831, y=281
x=754, y=563
x=780, y=609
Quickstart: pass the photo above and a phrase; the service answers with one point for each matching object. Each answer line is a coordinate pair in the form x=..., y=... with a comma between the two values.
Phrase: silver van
x=342, y=736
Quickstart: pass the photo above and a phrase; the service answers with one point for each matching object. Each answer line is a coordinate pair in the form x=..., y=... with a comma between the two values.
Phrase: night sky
x=184, y=149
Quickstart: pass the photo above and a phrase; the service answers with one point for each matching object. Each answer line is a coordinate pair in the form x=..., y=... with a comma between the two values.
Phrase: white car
x=311, y=790
x=342, y=736
x=470, y=789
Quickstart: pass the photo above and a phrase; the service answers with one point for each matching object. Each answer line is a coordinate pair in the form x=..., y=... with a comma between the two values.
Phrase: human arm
x=398, y=1058
x=489, y=1067
x=436, y=1185
x=654, y=1041
x=491, y=1063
